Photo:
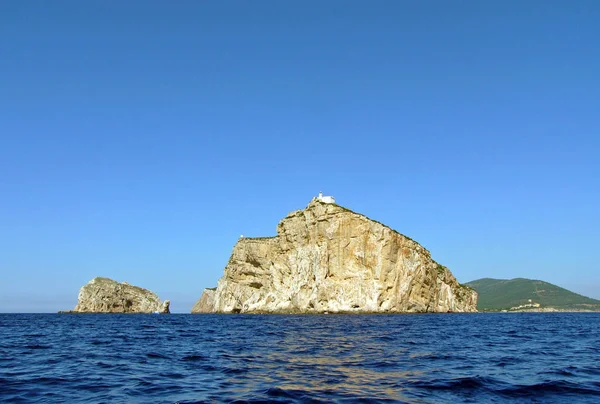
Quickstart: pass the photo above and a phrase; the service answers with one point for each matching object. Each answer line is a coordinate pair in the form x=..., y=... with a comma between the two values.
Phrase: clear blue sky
x=139, y=139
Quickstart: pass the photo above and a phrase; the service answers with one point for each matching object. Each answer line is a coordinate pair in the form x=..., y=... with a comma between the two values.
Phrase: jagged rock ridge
x=327, y=258
x=103, y=295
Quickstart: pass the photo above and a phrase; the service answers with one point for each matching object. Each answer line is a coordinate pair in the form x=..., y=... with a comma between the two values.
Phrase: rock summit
x=326, y=258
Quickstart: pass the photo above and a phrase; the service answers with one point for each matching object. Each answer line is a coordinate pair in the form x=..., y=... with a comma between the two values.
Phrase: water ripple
x=535, y=357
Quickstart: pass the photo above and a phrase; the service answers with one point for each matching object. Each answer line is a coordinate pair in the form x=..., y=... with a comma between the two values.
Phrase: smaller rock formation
x=103, y=295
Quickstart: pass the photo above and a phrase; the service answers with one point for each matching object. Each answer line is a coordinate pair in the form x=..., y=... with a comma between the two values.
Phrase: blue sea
x=421, y=358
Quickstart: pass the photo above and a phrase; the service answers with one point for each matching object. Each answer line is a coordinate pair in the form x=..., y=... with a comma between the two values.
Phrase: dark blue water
x=553, y=357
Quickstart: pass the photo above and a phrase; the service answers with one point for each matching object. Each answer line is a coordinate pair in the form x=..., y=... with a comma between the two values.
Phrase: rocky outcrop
x=326, y=258
x=103, y=295
x=206, y=302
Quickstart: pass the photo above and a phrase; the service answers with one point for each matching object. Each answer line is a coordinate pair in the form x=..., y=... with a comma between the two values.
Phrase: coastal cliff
x=327, y=258
x=103, y=295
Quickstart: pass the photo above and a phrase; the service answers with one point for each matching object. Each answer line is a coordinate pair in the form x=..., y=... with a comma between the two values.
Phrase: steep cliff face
x=206, y=302
x=326, y=258
x=103, y=295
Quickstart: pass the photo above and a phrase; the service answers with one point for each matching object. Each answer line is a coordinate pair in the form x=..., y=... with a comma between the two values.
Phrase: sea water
x=426, y=358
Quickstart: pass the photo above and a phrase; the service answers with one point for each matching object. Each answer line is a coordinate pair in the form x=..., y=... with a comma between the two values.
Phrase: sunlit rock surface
x=326, y=258
x=103, y=295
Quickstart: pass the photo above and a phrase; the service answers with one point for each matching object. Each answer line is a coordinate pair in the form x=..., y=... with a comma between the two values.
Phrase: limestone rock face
x=326, y=258
x=206, y=302
x=103, y=295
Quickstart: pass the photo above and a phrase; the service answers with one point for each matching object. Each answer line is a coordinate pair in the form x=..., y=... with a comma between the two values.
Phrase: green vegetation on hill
x=499, y=294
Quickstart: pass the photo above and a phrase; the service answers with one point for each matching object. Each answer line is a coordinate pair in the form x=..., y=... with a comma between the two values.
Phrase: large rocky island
x=103, y=295
x=327, y=258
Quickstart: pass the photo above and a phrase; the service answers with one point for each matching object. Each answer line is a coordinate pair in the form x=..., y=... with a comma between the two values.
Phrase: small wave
x=95, y=387
x=100, y=342
x=383, y=364
x=36, y=346
x=234, y=371
x=48, y=380
x=590, y=370
x=156, y=355
x=275, y=333
x=556, y=387
x=433, y=356
x=186, y=333
x=560, y=372
x=174, y=376
x=280, y=393
x=520, y=336
x=506, y=361
x=463, y=383
x=193, y=358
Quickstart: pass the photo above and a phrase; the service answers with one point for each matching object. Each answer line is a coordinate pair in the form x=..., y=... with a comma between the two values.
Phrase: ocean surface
x=422, y=358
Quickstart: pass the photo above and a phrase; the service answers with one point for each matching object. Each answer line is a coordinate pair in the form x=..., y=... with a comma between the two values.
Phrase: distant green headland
x=522, y=294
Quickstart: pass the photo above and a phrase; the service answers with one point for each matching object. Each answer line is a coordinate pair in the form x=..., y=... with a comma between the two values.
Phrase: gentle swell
x=483, y=358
